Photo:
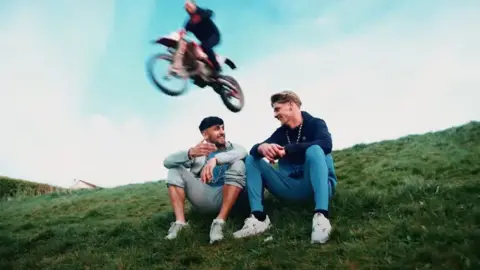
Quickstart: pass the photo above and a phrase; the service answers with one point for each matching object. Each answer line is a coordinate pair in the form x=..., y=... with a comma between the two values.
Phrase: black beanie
x=209, y=122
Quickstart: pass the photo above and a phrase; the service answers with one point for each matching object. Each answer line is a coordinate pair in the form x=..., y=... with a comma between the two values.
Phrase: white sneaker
x=216, y=230
x=252, y=227
x=321, y=229
x=175, y=228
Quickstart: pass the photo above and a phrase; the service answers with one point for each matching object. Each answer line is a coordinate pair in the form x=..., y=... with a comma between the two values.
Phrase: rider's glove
x=182, y=32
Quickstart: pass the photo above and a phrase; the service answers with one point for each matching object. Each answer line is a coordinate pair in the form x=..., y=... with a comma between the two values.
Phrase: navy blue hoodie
x=204, y=29
x=314, y=132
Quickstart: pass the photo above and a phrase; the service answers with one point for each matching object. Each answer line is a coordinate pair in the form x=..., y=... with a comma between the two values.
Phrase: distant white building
x=80, y=184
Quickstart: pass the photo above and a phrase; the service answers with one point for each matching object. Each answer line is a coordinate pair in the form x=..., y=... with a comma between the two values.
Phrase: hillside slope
x=403, y=204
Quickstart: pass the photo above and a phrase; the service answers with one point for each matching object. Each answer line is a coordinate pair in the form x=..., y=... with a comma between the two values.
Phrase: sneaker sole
x=258, y=233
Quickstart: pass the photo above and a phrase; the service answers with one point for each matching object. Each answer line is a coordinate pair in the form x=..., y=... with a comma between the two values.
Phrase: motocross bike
x=197, y=68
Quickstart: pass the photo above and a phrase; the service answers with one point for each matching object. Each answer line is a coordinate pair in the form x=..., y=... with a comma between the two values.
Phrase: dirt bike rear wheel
x=230, y=87
x=150, y=70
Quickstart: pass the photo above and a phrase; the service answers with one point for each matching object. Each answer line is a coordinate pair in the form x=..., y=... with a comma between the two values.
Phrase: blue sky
x=76, y=103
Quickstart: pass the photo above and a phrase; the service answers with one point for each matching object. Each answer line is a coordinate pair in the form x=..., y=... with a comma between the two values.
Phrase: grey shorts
x=202, y=196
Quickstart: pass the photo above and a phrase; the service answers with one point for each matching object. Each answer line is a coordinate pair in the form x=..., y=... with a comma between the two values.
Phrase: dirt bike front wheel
x=153, y=77
x=228, y=88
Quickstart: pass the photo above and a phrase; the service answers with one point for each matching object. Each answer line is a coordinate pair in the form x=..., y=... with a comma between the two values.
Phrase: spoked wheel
x=167, y=59
x=230, y=91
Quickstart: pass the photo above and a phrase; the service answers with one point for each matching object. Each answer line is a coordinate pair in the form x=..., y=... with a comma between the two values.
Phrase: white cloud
x=368, y=86
x=44, y=68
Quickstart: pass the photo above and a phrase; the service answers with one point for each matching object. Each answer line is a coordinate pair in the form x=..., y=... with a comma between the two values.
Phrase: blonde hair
x=285, y=97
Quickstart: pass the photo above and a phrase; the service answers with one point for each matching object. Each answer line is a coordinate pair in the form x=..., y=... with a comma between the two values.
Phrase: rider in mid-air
x=201, y=25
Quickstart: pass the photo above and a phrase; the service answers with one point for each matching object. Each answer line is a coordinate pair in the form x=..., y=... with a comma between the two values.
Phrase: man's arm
x=274, y=138
x=238, y=152
x=177, y=159
x=321, y=137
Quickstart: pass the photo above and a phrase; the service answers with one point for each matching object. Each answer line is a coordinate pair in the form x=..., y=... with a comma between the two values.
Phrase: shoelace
x=248, y=223
x=318, y=221
x=216, y=227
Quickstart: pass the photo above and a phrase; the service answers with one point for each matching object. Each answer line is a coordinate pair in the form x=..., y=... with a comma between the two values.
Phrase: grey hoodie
x=232, y=153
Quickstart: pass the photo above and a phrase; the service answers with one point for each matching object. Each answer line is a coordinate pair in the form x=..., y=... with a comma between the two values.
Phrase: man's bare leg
x=177, y=182
x=230, y=196
x=234, y=183
x=177, y=200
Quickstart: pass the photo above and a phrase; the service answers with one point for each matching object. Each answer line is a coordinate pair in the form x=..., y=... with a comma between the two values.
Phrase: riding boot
x=216, y=73
x=216, y=70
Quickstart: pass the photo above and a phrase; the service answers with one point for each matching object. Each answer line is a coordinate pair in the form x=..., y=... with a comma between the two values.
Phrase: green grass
x=411, y=203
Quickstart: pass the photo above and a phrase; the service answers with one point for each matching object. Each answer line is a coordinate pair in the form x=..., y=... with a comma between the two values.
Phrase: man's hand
x=201, y=149
x=182, y=32
x=271, y=151
x=207, y=171
x=281, y=153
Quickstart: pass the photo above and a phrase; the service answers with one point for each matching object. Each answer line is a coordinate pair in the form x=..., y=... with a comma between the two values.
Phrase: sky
x=75, y=102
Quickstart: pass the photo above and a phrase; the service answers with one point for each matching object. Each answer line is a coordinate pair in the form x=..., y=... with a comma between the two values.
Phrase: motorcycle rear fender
x=167, y=42
x=230, y=63
x=227, y=61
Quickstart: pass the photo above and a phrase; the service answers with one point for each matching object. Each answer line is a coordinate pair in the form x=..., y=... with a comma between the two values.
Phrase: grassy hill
x=411, y=203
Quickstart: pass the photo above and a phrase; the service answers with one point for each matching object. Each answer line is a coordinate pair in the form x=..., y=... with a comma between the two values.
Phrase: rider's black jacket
x=205, y=28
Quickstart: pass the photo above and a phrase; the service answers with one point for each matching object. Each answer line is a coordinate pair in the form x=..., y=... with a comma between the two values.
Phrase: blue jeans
x=318, y=180
x=207, y=46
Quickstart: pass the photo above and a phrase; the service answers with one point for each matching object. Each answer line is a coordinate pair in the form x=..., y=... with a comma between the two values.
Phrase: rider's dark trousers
x=207, y=46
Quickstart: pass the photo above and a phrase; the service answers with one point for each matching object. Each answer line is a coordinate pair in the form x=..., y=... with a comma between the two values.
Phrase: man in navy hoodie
x=303, y=146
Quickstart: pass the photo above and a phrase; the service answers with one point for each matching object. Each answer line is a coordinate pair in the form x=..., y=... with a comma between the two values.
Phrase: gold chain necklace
x=299, y=134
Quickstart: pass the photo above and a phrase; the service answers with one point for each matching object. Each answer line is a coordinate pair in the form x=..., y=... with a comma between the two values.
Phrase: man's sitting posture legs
x=316, y=182
x=305, y=170
x=213, y=187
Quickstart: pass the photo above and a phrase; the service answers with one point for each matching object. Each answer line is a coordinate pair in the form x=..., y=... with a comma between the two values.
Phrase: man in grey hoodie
x=210, y=175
